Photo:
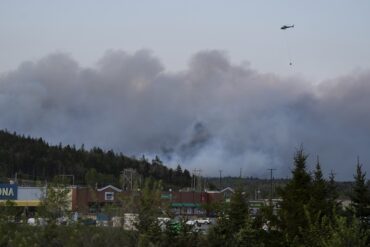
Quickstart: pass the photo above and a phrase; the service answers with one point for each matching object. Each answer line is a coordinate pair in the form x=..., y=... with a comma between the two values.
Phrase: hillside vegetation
x=35, y=160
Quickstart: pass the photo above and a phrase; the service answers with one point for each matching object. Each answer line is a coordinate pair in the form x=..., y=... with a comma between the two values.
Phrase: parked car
x=193, y=223
x=204, y=221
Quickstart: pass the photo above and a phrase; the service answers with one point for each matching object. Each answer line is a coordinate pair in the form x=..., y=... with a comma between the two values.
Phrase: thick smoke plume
x=214, y=115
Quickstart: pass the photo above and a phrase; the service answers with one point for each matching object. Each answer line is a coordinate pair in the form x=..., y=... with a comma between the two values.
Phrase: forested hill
x=34, y=159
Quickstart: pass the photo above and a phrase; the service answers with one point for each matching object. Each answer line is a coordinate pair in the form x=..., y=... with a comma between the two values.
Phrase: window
x=109, y=196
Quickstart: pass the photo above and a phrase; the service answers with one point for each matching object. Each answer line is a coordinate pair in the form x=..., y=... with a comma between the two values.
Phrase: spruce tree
x=318, y=205
x=295, y=197
x=230, y=225
x=238, y=210
x=332, y=196
x=360, y=195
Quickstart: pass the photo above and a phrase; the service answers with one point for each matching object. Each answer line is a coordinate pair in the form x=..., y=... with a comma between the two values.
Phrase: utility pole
x=271, y=171
x=194, y=178
x=197, y=179
x=220, y=178
x=128, y=179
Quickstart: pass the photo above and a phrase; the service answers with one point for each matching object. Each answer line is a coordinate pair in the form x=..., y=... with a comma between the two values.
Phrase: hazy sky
x=330, y=38
x=204, y=83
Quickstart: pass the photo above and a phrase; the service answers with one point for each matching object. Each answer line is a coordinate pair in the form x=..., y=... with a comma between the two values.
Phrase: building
x=193, y=203
x=23, y=197
x=87, y=200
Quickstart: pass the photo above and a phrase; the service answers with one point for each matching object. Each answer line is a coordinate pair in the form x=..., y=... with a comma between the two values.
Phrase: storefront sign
x=8, y=192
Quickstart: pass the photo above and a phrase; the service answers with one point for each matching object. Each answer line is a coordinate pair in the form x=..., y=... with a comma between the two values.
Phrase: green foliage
x=55, y=203
x=8, y=210
x=318, y=204
x=234, y=218
x=333, y=206
x=237, y=211
x=93, y=178
x=295, y=196
x=247, y=235
x=309, y=214
x=67, y=236
x=309, y=211
x=34, y=159
x=179, y=234
x=149, y=209
x=220, y=234
x=361, y=196
x=333, y=232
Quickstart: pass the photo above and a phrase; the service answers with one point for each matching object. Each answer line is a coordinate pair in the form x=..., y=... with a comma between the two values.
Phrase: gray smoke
x=214, y=115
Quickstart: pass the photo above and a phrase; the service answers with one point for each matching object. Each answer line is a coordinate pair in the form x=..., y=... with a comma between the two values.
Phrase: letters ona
x=6, y=192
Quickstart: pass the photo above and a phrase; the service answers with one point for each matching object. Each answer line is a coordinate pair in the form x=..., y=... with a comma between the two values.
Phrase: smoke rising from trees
x=214, y=115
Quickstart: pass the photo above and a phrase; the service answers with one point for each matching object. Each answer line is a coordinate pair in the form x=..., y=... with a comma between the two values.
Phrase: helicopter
x=286, y=27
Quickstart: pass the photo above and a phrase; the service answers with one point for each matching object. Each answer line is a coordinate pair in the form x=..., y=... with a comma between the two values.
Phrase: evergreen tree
x=178, y=171
x=37, y=160
x=295, y=196
x=234, y=218
x=332, y=196
x=334, y=232
x=157, y=161
x=318, y=204
x=247, y=236
x=360, y=196
x=237, y=210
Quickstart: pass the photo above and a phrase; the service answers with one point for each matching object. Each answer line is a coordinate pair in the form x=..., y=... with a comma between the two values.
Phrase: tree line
x=34, y=159
x=307, y=214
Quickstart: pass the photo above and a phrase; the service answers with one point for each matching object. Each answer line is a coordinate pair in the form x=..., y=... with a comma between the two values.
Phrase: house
x=89, y=200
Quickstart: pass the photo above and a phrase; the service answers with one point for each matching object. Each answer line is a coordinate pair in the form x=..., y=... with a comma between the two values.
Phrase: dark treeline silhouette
x=34, y=159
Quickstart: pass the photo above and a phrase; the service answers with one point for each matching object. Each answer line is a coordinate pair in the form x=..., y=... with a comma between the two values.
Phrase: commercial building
x=21, y=196
x=87, y=200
